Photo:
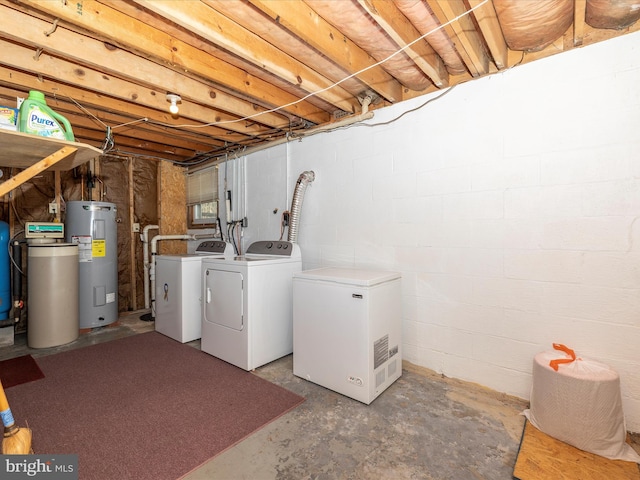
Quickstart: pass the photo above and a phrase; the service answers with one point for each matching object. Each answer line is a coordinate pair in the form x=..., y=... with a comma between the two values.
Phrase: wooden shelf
x=35, y=154
x=21, y=150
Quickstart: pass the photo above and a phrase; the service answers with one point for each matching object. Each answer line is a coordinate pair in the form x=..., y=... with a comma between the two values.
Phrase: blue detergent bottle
x=37, y=118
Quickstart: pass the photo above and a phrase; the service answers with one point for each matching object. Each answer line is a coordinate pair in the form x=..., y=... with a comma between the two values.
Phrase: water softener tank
x=5, y=278
x=52, y=283
x=92, y=226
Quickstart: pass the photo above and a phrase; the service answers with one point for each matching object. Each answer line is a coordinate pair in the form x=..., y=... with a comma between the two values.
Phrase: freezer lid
x=348, y=276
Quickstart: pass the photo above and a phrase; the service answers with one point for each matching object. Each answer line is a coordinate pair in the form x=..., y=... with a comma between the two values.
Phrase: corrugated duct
x=423, y=19
x=614, y=14
x=533, y=25
x=304, y=179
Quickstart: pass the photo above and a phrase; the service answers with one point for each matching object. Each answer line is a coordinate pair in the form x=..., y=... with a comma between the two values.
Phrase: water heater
x=92, y=226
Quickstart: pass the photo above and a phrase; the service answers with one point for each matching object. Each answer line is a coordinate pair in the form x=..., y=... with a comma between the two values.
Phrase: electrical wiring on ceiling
x=109, y=143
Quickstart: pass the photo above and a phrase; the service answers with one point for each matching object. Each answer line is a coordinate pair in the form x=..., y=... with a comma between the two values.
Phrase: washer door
x=223, y=296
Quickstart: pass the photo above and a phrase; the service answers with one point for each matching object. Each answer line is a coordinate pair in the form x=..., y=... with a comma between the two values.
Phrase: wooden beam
x=218, y=29
x=118, y=62
x=122, y=126
x=167, y=151
x=404, y=33
x=463, y=34
x=487, y=20
x=62, y=92
x=65, y=71
x=271, y=31
x=35, y=169
x=58, y=193
x=149, y=41
x=132, y=238
x=302, y=20
x=579, y=19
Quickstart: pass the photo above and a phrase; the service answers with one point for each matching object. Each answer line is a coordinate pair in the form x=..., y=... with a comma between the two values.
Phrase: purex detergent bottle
x=37, y=118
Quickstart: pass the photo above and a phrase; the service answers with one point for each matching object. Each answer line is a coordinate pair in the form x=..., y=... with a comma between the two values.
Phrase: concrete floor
x=422, y=427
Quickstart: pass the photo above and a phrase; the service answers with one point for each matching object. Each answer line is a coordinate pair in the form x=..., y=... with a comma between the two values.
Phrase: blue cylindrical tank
x=5, y=275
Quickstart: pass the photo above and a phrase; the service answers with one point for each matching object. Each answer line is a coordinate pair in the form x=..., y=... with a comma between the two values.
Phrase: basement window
x=202, y=198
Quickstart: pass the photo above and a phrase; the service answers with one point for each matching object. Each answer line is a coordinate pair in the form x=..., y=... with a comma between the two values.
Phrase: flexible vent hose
x=304, y=179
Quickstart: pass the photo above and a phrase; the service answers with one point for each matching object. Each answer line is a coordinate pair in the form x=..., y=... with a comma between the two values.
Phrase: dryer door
x=223, y=298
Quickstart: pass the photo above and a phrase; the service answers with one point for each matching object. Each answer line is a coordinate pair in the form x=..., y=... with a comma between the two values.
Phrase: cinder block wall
x=510, y=205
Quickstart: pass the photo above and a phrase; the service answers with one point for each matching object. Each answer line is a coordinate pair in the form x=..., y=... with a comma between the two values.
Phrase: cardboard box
x=9, y=118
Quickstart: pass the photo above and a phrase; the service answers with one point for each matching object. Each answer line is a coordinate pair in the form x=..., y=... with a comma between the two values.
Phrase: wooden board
x=21, y=150
x=542, y=457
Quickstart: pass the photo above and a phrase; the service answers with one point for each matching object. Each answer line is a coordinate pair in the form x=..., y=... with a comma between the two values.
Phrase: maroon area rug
x=16, y=371
x=143, y=407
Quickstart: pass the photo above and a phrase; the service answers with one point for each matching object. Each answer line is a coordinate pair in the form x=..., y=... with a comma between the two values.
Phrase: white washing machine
x=177, y=302
x=347, y=330
x=247, y=304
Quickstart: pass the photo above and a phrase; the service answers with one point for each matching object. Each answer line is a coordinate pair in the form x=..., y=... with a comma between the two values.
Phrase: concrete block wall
x=510, y=205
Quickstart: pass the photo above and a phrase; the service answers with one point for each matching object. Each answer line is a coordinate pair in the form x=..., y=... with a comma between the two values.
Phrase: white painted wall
x=510, y=206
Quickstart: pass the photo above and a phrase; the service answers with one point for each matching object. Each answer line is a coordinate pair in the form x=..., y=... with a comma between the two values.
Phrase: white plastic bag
x=579, y=404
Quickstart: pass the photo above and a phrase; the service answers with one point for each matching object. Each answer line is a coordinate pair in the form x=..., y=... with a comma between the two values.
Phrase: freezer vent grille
x=380, y=378
x=380, y=351
x=392, y=368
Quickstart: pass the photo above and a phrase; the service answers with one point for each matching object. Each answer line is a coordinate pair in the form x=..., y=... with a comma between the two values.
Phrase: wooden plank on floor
x=542, y=457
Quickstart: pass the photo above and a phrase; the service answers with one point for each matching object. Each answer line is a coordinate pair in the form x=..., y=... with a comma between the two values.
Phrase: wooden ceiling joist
x=115, y=61
x=253, y=71
x=404, y=34
x=579, y=16
x=334, y=45
x=463, y=34
x=53, y=67
x=488, y=23
x=129, y=33
x=221, y=31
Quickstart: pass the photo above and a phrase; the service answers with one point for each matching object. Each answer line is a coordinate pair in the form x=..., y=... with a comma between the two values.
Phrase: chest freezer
x=347, y=330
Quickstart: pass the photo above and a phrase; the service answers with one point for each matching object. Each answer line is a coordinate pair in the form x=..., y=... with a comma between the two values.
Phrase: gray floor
x=422, y=427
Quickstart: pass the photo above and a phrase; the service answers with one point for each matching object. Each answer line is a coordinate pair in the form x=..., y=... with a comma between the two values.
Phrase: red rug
x=16, y=371
x=143, y=407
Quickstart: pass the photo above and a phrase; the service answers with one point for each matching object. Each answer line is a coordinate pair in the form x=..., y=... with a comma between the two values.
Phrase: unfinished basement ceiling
x=253, y=71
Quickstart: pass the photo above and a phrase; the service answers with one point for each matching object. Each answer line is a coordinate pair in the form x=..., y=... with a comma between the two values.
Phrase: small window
x=202, y=198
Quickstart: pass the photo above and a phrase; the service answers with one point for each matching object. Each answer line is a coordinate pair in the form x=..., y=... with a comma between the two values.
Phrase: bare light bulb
x=174, y=99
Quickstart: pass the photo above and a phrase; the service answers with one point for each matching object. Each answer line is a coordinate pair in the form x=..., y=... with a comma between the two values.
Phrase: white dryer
x=247, y=304
x=177, y=301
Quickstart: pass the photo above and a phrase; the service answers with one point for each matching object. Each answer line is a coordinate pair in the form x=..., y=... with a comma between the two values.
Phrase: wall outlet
x=136, y=228
x=53, y=208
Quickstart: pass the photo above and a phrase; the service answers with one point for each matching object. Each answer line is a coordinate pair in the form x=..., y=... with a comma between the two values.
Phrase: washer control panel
x=212, y=246
x=271, y=247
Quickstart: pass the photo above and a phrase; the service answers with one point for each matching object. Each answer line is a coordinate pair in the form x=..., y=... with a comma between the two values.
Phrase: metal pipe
x=152, y=267
x=145, y=259
x=300, y=134
x=16, y=284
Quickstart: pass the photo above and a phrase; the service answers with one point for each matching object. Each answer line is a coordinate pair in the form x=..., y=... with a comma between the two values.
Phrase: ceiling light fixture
x=174, y=99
